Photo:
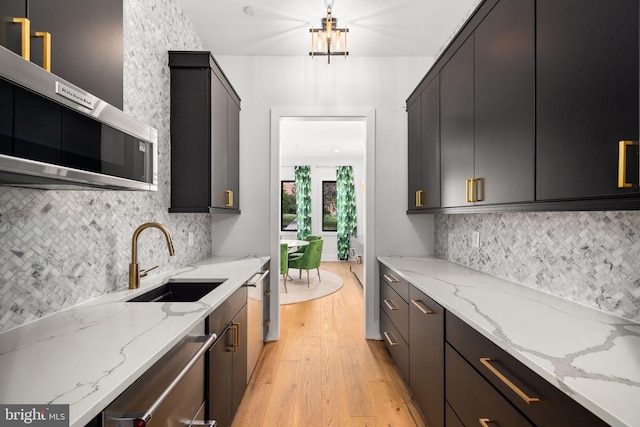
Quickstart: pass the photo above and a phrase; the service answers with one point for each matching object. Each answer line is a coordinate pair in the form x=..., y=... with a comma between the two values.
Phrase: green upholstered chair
x=309, y=260
x=298, y=252
x=284, y=263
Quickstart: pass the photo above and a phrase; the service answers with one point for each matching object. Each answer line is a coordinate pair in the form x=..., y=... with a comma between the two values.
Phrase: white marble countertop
x=592, y=356
x=87, y=355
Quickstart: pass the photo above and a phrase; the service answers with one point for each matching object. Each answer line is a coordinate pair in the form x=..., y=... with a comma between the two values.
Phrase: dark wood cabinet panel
x=6, y=117
x=397, y=346
x=240, y=354
x=426, y=356
x=504, y=113
x=587, y=95
x=414, y=151
x=11, y=32
x=221, y=381
x=205, y=136
x=456, y=125
x=472, y=398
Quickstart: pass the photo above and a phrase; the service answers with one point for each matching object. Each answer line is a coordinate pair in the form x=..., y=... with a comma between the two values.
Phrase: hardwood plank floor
x=322, y=372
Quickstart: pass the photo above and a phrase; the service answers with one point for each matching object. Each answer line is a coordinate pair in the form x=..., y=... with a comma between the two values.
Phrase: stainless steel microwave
x=54, y=135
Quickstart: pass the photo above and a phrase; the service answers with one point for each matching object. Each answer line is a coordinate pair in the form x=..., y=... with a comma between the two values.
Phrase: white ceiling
x=281, y=27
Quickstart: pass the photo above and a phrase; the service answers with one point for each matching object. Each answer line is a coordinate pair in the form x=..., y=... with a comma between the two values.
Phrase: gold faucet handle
x=143, y=273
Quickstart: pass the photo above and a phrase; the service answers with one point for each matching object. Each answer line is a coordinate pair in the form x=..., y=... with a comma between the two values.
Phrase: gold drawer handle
x=484, y=422
x=229, y=197
x=392, y=342
x=389, y=278
x=622, y=164
x=419, y=198
x=46, y=49
x=486, y=361
x=470, y=190
x=392, y=306
x=422, y=307
x=26, y=33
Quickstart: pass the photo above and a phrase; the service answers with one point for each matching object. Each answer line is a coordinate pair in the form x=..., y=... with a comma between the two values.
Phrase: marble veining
x=87, y=355
x=590, y=355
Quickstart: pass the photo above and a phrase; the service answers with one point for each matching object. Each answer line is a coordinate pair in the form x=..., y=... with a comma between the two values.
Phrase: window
x=329, y=210
x=288, y=206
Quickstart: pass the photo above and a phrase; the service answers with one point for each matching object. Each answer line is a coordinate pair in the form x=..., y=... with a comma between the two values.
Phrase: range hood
x=54, y=135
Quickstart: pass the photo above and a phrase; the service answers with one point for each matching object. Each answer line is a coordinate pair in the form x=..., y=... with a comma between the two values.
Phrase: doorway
x=320, y=152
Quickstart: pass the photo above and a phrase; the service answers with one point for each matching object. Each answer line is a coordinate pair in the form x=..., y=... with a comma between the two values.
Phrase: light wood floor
x=322, y=372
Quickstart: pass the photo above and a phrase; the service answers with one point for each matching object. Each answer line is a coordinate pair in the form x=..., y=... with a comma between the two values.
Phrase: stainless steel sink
x=177, y=292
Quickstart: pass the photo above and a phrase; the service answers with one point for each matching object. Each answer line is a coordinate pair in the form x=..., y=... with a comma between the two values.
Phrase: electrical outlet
x=190, y=238
x=475, y=239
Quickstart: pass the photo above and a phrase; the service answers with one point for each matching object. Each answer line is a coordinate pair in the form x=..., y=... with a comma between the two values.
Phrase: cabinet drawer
x=397, y=283
x=473, y=399
x=554, y=409
x=224, y=314
x=396, y=345
x=396, y=308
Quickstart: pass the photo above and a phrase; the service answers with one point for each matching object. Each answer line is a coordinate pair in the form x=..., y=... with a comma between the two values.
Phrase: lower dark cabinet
x=396, y=345
x=426, y=356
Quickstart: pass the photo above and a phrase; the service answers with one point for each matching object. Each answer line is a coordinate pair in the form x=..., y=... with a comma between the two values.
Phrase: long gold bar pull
x=26, y=34
x=486, y=361
x=390, y=304
x=46, y=49
x=419, y=198
x=466, y=190
x=229, y=194
x=622, y=164
x=484, y=422
x=390, y=339
x=422, y=307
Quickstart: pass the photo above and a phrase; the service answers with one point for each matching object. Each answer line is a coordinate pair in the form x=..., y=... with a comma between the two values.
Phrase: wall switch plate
x=190, y=238
x=475, y=239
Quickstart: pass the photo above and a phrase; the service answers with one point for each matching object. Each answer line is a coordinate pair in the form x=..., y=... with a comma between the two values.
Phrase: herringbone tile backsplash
x=60, y=248
x=589, y=257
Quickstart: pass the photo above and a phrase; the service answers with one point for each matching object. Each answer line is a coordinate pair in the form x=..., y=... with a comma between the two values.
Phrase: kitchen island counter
x=592, y=356
x=85, y=356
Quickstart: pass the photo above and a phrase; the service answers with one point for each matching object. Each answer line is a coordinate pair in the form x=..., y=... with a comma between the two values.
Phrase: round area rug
x=298, y=291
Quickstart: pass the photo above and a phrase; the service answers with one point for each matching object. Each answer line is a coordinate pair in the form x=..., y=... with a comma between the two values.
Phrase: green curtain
x=303, y=200
x=346, y=210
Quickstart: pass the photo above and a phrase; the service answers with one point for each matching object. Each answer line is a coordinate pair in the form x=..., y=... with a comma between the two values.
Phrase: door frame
x=371, y=327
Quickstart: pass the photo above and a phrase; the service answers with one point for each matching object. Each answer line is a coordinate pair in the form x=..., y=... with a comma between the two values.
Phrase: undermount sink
x=177, y=292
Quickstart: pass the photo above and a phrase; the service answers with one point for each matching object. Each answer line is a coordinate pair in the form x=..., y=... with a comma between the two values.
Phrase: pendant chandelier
x=329, y=40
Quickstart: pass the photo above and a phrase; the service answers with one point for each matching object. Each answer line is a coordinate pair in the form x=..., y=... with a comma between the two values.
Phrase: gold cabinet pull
x=26, y=34
x=422, y=307
x=466, y=190
x=229, y=197
x=486, y=361
x=389, y=278
x=622, y=164
x=419, y=198
x=392, y=306
x=470, y=190
x=392, y=342
x=46, y=49
x=236, y=340
x=484, y=422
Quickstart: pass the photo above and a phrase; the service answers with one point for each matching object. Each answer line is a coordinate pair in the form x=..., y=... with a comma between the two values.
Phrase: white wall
x=380, y=84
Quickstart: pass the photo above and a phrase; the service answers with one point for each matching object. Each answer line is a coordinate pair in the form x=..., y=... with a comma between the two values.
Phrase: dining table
x=293, y=244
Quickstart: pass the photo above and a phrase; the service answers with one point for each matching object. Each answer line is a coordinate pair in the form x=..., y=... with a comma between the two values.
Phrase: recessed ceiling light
x=250, y=10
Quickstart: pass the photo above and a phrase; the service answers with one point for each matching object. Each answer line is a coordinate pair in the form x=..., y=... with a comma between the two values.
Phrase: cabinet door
x=430, y=156
x=240, y=354
x=414, y=151
x=6, y=117
x=233, y=152
x=219, y=159
x=426, y=356
x=86, y=43
x=11, y=32
x=587, y=96
x=504, y=103
x=456, y=125
x=221, y=381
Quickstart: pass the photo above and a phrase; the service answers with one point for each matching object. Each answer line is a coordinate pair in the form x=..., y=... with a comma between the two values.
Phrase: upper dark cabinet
x=424, y=148
x=205, y=136
x=86, y=41
x=587, y=97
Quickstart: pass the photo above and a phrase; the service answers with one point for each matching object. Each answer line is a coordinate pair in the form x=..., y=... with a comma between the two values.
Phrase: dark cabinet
x=227, y=360
x=86, y=42
x=487, y=111
x=394, y=318
x=456, y=127
x=424, y=148
x=426, y=356
x=587, y=97
x=205, y=143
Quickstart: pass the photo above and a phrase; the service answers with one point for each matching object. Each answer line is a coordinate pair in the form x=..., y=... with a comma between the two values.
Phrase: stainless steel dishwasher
x=255, y=318
x=169, y=394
